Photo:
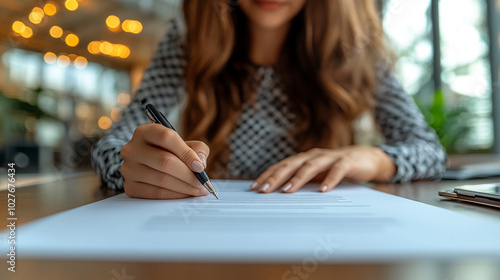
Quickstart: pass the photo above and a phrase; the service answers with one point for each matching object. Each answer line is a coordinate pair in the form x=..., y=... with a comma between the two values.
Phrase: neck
x=266, y=44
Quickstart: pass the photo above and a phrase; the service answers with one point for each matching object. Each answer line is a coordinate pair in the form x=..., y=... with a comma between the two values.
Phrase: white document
x=350, y=223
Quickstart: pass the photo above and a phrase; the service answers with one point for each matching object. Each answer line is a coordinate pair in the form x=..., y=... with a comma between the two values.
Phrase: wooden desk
x=41, y=200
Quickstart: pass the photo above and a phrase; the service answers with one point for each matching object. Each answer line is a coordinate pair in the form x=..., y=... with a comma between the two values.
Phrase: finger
x=338, y=171
x=144, y=174
x=293, y=161
x=306, y=173
x=170, y=140
x=280, y=175
x=201, y=149
x=258, y=183
x=147, y=191
x=162, y=161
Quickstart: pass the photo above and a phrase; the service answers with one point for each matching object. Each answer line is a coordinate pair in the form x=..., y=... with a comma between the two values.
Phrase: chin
x=269, y=22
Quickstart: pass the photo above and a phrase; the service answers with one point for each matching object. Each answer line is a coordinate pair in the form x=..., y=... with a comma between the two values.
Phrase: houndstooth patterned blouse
x=261, y=137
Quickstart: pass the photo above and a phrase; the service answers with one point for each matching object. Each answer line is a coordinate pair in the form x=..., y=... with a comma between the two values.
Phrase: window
x=457, y=99
x=66, y=93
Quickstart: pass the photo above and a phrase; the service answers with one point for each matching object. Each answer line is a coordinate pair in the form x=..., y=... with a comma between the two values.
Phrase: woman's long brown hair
x=327, y=67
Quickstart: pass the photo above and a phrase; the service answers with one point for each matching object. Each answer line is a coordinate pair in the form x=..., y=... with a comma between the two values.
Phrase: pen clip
x=157, y=117
x=150, y=116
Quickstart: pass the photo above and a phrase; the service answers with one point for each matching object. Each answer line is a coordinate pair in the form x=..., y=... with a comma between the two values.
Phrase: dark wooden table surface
x=37, y=201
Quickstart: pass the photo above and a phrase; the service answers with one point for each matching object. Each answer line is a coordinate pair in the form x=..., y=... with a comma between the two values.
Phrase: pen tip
x=210, y=188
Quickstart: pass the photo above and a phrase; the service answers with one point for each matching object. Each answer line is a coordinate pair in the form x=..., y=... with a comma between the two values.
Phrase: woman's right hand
x=158, y=164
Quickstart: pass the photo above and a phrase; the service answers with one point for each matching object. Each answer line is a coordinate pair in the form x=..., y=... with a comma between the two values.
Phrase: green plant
x=450, y=123
x=13, y=114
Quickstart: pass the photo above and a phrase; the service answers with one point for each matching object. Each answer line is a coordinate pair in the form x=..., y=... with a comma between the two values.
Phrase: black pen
x=156, y=117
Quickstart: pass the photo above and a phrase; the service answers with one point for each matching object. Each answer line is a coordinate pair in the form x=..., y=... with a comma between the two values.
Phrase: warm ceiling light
x=34, y=18
x=50, y=58
x=36, y=15
x=104, y=122
x=123, y=51
x=113, y=22
x=72, y=40
x=116, y=114
x=132, y=26
x=56, y=31
x=93, y=47
x=135, y=27
x=50, y=9
x=63, y=61
x=80, y=62
x=27, y=32
x=124, y=99
x=38, y=11
x=106, y=47
x=125, y=25
x=71, y=5
x=18, y=27
x=114, y=51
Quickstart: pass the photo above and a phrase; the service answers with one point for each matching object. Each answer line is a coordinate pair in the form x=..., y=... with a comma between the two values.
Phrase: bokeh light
x=132, y=26
x=27, y=32
x=18, y=27
x=71, y=5
x=106, y=47
x=72, y=40
x=36, y=15
x=124, y=99
x=135, y=27
x=80, y=62
x=56, y=31
x=113, y=22
x=63, y=61
x=50, y=9
x=104, y=122
x=116, y=114
x=114, y=51
x=93, y=47
x=50, y=58
x=123, y=51
x=125, y=25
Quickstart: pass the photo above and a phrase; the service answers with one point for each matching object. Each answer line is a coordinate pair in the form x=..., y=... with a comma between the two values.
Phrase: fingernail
x=197, y=166
x=324, y=188
x=203, y=159
x=264, y=188
x=287, y=187
x=254, y=186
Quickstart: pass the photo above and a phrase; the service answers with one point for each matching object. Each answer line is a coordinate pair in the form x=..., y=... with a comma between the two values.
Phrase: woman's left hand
x=355, y=163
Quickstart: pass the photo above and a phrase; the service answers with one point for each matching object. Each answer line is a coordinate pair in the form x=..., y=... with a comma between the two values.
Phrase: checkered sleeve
x=162, y=85
x=410, y=142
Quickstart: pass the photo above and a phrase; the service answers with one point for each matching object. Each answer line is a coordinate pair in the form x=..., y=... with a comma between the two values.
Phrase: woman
x=273, y=87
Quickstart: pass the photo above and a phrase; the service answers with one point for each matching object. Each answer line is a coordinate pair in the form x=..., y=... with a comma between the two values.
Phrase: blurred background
x=68, y=68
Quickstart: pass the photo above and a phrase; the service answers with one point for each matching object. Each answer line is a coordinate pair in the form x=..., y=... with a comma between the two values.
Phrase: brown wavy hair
x=327, y=67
